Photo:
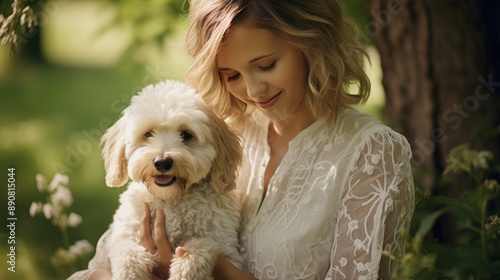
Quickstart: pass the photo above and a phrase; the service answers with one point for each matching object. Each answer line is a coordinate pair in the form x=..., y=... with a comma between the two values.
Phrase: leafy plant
x=16, y=22
x=476, y=254
x=69, y=257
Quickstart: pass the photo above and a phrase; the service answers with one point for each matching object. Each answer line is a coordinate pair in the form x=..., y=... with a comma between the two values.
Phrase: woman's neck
x=291, y=126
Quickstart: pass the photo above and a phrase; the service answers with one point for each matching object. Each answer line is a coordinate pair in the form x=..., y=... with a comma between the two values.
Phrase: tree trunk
x=441, y=75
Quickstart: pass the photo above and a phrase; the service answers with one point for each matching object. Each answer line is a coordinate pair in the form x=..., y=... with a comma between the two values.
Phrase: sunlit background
x=53, y=113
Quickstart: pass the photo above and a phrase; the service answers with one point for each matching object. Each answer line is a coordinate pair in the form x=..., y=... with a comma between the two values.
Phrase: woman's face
x=262, y=70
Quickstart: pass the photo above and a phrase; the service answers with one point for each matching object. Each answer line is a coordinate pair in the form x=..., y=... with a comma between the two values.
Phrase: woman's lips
x=270, y=102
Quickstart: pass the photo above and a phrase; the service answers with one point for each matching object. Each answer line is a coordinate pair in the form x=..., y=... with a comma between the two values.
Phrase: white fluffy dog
x=182, y=159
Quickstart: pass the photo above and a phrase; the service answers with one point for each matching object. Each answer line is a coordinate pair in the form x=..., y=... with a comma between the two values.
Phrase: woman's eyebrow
x=222, y=69
x=261, y=57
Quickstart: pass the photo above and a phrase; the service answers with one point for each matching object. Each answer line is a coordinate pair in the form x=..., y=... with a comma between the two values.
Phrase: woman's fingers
x=180, y=251
x=159, y=244
x=162, y=243
x=161, y=238
x=145, y=234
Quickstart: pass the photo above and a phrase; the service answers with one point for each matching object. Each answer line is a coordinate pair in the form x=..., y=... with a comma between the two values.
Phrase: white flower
x=80, y=247
x=493, y=221
x=58, y=180
x=62, y=196
x=343, y=262
x=35, y=208
x=48, y=210
x=492, y=185
x=74, y=219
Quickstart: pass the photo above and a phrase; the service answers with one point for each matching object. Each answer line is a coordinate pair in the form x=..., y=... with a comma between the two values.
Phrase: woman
x=325, y=189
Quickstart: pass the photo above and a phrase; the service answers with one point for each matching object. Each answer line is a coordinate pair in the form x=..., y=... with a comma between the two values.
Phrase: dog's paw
x=197, y=263
x=133, y=262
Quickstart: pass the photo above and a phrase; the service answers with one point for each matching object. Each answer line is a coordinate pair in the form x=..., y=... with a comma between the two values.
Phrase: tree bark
x=441, y=75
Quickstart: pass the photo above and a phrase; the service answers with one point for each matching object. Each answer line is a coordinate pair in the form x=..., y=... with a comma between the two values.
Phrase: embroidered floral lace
x=342, y=194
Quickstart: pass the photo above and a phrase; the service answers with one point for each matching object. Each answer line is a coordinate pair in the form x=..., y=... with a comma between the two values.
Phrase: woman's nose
x=255, y=87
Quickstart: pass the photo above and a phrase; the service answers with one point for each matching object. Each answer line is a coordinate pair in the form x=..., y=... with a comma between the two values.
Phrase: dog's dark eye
x=148, y=134
x=185, y=135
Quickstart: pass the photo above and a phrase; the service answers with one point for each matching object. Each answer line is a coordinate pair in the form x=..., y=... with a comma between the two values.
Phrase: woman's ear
x=113, y=153
x=229, y=155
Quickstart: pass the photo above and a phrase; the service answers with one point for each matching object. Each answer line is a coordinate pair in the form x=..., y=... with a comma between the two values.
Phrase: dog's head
x=169, y=139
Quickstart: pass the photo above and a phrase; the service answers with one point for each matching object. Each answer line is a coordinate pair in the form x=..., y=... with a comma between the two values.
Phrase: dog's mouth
x=164, y=180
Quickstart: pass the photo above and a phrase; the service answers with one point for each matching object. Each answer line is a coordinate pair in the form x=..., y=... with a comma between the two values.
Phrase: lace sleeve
x=377, y=206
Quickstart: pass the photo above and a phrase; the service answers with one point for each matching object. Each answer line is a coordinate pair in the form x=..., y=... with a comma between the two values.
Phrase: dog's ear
x=113, y=152
x=229, y=155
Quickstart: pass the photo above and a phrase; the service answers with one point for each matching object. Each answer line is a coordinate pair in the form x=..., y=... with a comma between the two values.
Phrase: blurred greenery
x=53, y=114
x=51, y=121
x=357, y=11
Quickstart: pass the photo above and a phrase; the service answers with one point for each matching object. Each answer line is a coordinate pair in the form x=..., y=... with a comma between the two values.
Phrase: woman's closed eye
x=233, y=77
x=268, y=67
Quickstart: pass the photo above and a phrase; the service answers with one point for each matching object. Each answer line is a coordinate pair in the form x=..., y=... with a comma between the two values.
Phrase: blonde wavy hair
x=318, y=28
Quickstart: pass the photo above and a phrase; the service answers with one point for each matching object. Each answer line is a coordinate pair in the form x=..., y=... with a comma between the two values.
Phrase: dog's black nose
x=163, y=164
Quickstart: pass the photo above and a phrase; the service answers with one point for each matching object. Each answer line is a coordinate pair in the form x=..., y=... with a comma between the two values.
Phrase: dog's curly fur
x=183, y=160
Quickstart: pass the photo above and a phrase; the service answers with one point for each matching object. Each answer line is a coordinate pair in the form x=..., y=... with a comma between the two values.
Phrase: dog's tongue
x=163, y=180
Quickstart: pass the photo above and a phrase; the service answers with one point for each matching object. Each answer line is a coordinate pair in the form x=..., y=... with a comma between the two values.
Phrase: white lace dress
x=342, y=194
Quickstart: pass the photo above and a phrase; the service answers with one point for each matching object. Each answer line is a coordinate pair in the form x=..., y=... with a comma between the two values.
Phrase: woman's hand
x=223, y=269
x=159, y=244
